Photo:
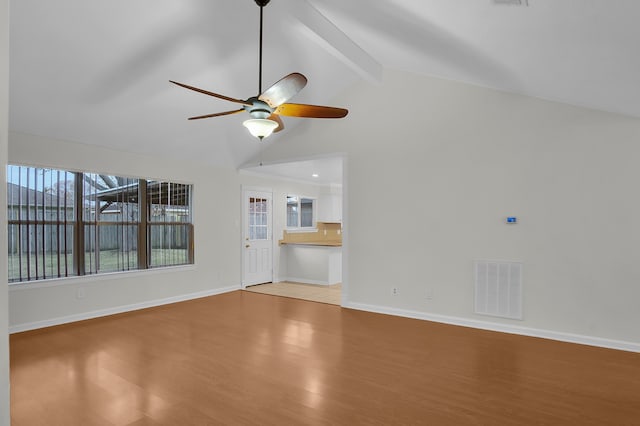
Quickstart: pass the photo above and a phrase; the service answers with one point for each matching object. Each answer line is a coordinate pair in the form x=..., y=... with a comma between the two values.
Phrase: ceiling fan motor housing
x=258, y=108
x=262, y=3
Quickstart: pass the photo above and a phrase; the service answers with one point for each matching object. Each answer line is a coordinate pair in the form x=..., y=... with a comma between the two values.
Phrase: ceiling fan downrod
x=262, y=4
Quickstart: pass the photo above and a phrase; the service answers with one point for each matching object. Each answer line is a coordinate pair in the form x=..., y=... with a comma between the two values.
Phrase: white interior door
x=257, y=239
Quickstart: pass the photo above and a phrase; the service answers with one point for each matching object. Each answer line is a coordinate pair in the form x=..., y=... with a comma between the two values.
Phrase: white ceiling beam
x=328, y=36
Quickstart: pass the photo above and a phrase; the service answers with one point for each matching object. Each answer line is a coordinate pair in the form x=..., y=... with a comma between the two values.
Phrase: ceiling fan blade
x=277, y=119
x=310, y=111
x=217, y=114
x=215, y=95
x=283, y=90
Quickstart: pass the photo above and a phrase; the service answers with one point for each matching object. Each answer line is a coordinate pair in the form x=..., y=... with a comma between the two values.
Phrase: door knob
x=247, y=246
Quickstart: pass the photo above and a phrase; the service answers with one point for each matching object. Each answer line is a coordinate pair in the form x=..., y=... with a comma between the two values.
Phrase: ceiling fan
x=267, y=107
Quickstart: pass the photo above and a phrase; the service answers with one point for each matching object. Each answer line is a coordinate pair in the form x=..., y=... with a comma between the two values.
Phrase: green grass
x=110, y=261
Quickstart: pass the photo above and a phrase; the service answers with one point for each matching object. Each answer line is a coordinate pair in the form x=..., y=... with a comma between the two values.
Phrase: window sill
x=299, y=230
x=55, y=282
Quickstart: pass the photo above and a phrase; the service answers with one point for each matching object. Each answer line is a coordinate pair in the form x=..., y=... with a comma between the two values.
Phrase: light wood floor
x=244, y=358
x=315, y=293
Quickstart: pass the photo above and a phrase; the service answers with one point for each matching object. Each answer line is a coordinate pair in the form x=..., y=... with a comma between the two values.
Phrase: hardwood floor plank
x=244, y=358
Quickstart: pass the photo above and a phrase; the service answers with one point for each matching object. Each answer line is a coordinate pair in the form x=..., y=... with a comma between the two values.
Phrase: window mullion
x=144, y=245
x=79, y=237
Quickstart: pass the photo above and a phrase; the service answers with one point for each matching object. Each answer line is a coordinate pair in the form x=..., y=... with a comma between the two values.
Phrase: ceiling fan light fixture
x=260, y=127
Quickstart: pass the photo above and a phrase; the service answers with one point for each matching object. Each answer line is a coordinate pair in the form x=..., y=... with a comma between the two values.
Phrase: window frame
x=98, y=222
x=79, y=225
x=314, y=212
x=34, y=224
x=151, y=224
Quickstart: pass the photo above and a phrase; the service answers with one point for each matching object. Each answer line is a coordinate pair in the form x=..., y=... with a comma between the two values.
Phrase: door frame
x=243, y=191
x=345, y=213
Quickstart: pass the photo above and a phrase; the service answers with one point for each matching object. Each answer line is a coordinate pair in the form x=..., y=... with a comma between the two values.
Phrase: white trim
x=306, y=281
x=314, y=214
x=256, y=188
x=503, y=328
x=282, y=178
x=102, y=276
x=345, y=232
x=301, y=230
x=245, y=189
x=118, y=309
x=330, y=155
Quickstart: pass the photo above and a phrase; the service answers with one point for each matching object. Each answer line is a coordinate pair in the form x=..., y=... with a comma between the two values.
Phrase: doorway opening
x=307, y=253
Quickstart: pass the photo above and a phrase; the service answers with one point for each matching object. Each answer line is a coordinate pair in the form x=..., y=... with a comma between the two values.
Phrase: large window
x=300, y=212
x=64, y=223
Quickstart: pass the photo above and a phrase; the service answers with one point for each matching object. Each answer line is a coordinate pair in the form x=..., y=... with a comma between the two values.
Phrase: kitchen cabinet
x=330, y=204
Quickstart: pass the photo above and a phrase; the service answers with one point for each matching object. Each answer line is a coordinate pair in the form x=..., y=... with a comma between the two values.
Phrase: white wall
x=216, y=214
x=4, y=125
x=426, y=192
x=217, y=222
x=435, y=166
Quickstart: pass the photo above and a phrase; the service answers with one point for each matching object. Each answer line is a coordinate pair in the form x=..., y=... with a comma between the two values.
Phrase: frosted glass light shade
x=260, y=127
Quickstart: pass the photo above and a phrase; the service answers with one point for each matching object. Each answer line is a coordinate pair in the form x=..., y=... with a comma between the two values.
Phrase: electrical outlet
x=429, y=294
x=80, y=293
x=394, y=291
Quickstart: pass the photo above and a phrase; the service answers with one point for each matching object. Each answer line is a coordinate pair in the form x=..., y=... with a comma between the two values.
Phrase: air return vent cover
x=498, y=288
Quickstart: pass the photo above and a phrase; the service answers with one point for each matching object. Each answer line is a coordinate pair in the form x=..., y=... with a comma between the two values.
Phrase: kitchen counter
x=314, y=243
x=312, y=263
x=326, y=234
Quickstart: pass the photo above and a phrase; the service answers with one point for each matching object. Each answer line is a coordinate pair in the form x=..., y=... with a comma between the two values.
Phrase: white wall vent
x=498, y=288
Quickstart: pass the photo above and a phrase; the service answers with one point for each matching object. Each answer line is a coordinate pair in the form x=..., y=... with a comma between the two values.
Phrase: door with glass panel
x=257, y=243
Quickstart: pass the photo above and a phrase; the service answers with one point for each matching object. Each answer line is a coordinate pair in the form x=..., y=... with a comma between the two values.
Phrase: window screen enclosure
x=63, y=223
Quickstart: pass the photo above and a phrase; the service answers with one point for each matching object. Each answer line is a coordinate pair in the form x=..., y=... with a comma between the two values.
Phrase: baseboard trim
x=305, y=281
x=464, y=322
x=503, y=328
x=17, y=328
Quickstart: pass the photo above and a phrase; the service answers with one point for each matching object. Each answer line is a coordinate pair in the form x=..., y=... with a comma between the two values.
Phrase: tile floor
x=330, y=294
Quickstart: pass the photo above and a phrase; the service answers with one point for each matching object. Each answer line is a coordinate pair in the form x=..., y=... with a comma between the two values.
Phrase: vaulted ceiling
x=97, y=72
